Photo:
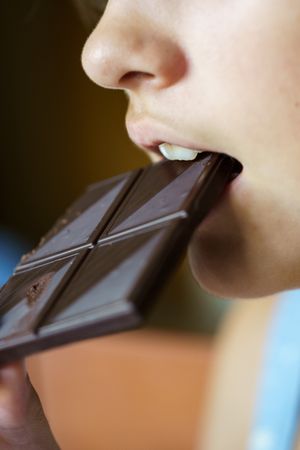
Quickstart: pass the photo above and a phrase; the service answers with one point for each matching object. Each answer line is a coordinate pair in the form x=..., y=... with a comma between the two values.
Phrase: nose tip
x=127, y=56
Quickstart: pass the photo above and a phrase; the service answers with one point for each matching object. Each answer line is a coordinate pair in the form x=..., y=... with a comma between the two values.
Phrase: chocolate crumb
x=25, y=257
x=37, y=288
x=42, y=242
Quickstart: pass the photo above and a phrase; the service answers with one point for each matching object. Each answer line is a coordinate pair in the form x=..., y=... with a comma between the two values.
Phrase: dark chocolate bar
x=101, y=265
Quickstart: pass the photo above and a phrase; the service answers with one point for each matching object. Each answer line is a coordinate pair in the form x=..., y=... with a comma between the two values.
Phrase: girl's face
x=221, y=75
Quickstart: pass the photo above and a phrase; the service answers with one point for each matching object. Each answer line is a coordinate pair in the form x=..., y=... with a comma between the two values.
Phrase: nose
x=128, y=52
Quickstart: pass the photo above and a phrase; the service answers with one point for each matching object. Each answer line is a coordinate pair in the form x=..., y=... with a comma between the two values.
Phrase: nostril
x=119, y=55
x=134, y=77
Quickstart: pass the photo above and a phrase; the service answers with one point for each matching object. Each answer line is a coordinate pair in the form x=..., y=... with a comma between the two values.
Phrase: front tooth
x=175, y=152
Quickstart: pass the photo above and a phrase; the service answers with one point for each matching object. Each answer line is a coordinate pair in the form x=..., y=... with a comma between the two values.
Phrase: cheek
x=250, y=80
x=264, y=95
x=249, y=76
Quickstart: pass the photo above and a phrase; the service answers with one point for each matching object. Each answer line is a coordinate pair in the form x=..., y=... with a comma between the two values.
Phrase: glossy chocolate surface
x=101, y=265
x=84, y=220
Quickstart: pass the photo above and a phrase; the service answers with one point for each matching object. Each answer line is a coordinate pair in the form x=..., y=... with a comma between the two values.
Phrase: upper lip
x=148, y=135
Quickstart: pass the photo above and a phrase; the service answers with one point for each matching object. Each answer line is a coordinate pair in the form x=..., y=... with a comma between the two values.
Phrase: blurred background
x=140, y=390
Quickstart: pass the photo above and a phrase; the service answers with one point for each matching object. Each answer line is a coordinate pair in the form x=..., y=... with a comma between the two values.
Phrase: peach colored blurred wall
x=141, y=390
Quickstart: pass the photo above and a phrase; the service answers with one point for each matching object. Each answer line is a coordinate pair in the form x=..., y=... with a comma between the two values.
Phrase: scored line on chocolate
x=144, y=226
x=70, y=252
x=101, y=226
x=54, y=257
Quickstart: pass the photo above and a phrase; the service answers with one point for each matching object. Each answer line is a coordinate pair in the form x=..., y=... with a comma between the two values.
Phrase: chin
x=238, y=252
x=222, y=266
x=213, y=273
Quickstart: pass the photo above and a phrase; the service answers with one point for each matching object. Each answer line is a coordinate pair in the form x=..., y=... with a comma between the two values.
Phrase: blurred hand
x=23, y=424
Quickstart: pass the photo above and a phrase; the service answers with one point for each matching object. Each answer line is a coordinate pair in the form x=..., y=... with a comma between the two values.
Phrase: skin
x=23, y=425
x=225, y=76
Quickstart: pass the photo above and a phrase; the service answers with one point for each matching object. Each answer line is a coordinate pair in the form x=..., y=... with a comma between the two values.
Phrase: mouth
x=177, y=152
x=170, y=151
x=162, y=144
x=174, y=152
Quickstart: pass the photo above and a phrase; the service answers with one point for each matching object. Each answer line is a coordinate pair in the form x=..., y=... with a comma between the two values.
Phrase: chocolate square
x=83, y=221
x=29, y=292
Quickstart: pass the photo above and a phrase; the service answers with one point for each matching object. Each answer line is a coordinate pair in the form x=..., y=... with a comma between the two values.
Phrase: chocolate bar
x=102, y=264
